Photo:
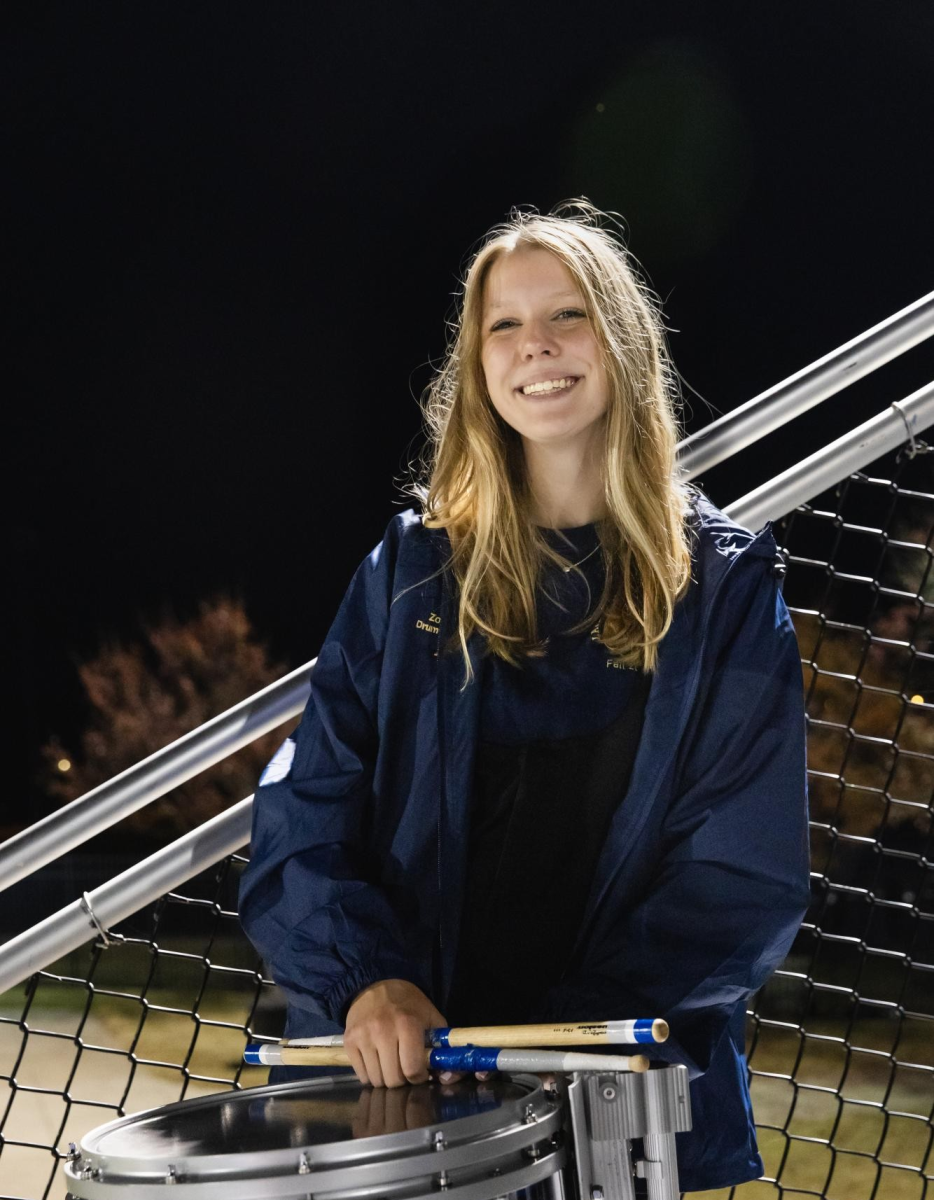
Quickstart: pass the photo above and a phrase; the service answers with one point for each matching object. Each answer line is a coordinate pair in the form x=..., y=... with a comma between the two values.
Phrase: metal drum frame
x=477, y=1157
x=520, y=1143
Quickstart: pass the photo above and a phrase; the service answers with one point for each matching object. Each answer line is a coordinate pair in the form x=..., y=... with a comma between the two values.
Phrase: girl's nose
x=538, y=339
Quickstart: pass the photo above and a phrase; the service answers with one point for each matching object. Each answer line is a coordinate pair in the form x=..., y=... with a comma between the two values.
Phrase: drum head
x=325, y=1134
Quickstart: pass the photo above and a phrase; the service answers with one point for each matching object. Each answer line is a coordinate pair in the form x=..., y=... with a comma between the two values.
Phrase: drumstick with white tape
x=593, y=1033
x=466, y=1058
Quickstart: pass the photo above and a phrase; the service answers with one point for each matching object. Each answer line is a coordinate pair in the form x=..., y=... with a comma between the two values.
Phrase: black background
x=234, y=231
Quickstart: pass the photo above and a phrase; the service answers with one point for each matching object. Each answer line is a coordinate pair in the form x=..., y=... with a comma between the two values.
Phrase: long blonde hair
x=474, y=482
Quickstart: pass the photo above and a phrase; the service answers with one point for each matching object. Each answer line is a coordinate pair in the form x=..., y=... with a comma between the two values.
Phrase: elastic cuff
x=345, y=991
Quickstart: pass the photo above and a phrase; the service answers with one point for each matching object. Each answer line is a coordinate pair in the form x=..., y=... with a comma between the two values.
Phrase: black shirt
x=556, y=745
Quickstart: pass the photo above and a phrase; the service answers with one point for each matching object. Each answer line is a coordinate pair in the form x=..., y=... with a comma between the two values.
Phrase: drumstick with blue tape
x=594, y=1033
x=458, y=1058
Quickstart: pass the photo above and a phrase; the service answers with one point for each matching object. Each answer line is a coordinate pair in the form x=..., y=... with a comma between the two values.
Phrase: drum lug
x=443, y=1181
x=304, y=1166
x=171, y=1175
x=529, y=1115
x=532, y=1153
x=73, y=1153
x=438, y=1140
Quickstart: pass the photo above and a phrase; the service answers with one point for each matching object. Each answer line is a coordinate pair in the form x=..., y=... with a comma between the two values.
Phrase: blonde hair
x=477, y=486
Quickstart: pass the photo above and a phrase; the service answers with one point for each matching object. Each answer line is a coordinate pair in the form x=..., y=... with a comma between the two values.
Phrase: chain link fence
x=841, y=1040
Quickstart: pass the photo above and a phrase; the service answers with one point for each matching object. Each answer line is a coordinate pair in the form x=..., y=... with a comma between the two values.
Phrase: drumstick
x=618, y=1033
x=471, y=1058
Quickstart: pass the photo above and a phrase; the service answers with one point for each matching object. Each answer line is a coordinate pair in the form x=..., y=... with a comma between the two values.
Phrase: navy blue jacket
x=360, y=822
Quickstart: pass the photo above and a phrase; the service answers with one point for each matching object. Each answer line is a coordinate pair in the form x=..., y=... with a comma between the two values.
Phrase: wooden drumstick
x=592, y=1033
x=469, y=1058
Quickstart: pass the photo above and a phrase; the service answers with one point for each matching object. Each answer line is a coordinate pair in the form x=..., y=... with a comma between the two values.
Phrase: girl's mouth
x=550, y=389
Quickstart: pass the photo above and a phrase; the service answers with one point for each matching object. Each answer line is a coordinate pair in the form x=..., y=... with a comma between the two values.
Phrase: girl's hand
x=384, y=1033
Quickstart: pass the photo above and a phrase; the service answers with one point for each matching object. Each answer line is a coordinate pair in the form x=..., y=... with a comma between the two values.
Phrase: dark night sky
x=233, y=232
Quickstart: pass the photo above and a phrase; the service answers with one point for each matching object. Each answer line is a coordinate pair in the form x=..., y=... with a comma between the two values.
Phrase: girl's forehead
x=527, y=271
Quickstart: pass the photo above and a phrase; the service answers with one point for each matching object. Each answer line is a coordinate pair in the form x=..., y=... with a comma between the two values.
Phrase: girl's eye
x=564, y=315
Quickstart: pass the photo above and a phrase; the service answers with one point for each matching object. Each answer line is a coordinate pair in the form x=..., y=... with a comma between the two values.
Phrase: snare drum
x=476, y=1141
x=333, y=1139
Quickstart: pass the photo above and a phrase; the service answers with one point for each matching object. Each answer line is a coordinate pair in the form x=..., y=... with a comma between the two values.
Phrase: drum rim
x=343, y=1154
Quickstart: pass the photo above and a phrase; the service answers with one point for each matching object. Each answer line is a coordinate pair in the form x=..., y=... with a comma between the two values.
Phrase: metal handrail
x=96, y=912
x=70, y=826
x=806, y=388
x=151, y=778
x=875, y=437
x=144, y=883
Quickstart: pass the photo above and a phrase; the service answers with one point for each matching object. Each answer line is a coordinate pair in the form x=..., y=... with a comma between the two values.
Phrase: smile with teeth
x=549, y=385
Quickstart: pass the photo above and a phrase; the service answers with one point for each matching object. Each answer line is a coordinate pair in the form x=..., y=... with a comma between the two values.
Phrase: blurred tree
x=143, y=696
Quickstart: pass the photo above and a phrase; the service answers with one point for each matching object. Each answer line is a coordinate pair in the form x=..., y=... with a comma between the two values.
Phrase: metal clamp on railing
x=107, y=938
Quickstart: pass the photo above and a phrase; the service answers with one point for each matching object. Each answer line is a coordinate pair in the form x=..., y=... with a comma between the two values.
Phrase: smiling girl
x=552, y=765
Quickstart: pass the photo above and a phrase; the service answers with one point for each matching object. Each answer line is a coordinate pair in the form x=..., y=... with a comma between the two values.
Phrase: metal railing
x=840, y=1040
x=148, y=780
x=768, y=411
x=903, y=418
x=81, y=921
x=152, y=777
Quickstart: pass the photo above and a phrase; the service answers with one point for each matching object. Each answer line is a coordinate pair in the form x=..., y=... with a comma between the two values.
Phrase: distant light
x=601, y=107
x=917, y=699
x=64, y=764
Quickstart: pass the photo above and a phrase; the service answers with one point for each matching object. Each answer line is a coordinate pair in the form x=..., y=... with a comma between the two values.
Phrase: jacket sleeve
x=311, y=899
x=731, y=883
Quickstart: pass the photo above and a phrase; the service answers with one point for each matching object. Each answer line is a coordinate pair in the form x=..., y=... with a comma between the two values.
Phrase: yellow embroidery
x=433, y=627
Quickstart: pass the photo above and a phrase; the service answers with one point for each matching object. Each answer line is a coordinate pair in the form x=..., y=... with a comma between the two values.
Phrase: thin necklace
x=581, y=560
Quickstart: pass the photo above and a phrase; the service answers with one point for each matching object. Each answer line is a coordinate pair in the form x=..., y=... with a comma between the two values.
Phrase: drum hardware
x=608, y=1111
x=497, y=1140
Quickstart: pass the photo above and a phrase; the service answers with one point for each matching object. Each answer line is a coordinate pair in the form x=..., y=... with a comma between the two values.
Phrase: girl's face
x=542, y=362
